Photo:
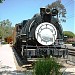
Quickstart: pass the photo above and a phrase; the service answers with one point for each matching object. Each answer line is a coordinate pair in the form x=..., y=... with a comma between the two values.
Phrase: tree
x=5, y=23
x=1, y=1
x=60, y=7
x=0, y=32
x=69, y=34
x=5, y=28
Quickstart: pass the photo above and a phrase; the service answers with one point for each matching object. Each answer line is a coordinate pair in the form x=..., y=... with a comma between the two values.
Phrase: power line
x=70, y=17
x=68, y=3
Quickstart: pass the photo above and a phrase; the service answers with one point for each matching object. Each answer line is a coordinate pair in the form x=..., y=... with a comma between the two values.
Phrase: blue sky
x=18, y=10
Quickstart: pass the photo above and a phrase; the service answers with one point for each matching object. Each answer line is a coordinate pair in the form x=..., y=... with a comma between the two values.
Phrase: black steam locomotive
x=38, y=34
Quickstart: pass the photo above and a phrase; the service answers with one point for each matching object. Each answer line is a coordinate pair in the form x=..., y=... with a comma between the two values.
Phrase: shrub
x=47, y=67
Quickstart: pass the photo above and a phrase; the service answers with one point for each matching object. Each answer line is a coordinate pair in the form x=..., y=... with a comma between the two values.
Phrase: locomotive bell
x=46, y=33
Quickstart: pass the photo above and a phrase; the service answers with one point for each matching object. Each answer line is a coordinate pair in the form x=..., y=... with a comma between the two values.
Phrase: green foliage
x=74, y=35
x=60, y=7
x=69, y=34
x=1, y=1
x=5, y=28
x=47, y=67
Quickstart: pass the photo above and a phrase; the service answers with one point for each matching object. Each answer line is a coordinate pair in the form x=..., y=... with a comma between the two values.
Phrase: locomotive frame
x=27, y=45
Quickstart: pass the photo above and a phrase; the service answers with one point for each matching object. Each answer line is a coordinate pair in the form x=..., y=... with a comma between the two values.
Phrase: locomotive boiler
x=41, y=32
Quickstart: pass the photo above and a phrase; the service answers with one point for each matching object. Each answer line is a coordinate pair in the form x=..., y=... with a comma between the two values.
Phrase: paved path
x=7, y=62
x=6, y=58
x=69, y=68
x=68, y=71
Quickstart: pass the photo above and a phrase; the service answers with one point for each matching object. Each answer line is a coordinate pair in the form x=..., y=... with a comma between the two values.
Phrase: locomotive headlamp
x=54, y=12
x=44, y=10
x=47, y=11
x=45, y=14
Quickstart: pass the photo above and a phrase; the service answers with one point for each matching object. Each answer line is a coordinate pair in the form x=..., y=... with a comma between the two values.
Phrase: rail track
x=71, y=52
